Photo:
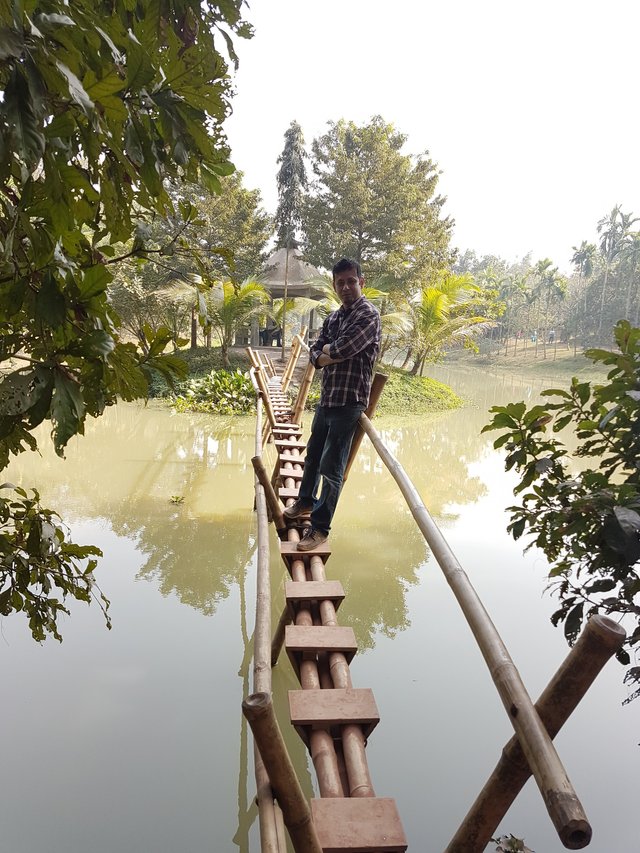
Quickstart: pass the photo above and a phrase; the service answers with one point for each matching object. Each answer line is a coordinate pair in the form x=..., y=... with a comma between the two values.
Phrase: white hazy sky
x=530, y=109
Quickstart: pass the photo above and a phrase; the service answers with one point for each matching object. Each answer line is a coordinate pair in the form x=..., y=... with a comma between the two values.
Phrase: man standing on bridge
x=346, y=349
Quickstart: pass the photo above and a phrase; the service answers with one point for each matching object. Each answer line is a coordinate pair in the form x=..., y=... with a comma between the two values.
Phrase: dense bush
x=200, y=362
x=585, y=517
x=220, y=392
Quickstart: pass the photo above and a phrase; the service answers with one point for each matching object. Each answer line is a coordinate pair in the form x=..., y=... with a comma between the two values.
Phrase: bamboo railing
x=340, y=761
x=279, y=794
x=562, y=802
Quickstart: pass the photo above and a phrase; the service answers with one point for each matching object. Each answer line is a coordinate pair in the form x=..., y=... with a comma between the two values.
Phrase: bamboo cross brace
x=599, y=640
x=560, y=798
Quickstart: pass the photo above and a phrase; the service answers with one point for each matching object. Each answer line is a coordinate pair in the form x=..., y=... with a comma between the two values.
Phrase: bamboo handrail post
x=271, y=839
x=562, y=803
x=278, y=637
x=262, y=633
x=291, y=363
x=270, y=842
x=599, y=640
x=303, y=393
x=258, y=709
x=377, y=386
x=272, y=499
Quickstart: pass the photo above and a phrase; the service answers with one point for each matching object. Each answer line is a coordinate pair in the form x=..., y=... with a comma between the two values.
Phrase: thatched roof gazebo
x=293, y=275
x=300, y=275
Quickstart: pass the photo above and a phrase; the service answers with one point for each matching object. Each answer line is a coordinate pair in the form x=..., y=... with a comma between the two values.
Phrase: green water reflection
x=169, y=765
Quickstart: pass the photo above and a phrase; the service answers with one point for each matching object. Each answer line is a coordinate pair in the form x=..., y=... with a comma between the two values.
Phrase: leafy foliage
x=229, y=307
x=292, y=185
x=510, y=844
x=104, y=104
x=585, y=519
x=443, y=310
x=371, y=202
x=39, y=567
x=223, y=235
x=221, y=392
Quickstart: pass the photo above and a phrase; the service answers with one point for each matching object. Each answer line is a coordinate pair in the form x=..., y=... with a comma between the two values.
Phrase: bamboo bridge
x=336, y=719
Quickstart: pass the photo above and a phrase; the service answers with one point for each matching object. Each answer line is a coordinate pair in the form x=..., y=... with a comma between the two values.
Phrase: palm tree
x=583, y=259
x=441, y=312
x=613, y=230
x=231, y=306
x=394, y=312
x=551, y=286
x=513, y=291
x=631, y=256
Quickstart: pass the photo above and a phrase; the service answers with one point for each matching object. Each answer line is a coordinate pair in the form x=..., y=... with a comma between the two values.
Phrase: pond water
x=133, y=740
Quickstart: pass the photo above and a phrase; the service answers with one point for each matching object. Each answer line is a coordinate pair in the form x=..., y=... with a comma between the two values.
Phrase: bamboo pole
x=299, y=344
x=271, y=840
x=303, y=393
x=269, y=835
x=291, y=363
x=599, y=640
x=377, y=386
x=258, y=709
x=272, y=499
x=278, y=637
x=321, y=745
x=561, y=801
x=262, y=632
x=353, y=745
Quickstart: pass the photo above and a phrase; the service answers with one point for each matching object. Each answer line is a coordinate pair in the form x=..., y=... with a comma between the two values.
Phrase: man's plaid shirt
x=353, y=334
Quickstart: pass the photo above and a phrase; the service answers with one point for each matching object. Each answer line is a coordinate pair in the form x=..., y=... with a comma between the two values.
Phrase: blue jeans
x=327, y=453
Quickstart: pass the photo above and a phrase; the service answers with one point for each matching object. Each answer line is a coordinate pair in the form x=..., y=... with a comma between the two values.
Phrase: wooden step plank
x=289, y=550
x=289, y=457
x=358, y=825
x=290, y=472
x=284, y=493
x=331, y=709
x=296, y=592
x=281, y=442
x=309, y=640
x=286, y=443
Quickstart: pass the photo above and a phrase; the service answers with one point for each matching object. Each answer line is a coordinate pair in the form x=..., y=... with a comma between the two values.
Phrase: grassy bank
x=414, y=395
x=526, y=364
x=403, y=394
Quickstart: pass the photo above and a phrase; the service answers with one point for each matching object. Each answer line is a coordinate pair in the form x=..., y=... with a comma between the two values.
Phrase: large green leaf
x=67, y=409
x=28, y=140
x=50, y=303
x=76, y=89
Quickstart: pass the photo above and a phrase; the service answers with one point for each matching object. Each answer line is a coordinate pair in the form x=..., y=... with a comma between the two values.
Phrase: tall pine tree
x=292, y=184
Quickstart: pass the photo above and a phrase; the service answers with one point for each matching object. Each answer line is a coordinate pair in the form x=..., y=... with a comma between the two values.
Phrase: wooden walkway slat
x=333, y=718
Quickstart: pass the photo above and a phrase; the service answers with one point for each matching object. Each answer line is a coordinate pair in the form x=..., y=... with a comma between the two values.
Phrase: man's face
x=348, y=286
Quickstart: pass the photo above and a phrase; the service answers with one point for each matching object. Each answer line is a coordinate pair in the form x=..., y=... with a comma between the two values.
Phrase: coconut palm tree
x=229, y=307
x=394, y=314
x=631, y=257
x=442, y=312
x=614, y=230
x=551, y=286
x=583, y=259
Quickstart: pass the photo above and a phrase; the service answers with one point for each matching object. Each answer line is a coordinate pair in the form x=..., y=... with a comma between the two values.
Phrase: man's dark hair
x=345, y=264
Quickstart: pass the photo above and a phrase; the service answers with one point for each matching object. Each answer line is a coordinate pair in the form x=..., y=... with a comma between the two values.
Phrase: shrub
x=586, y=518
x=220, y=392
